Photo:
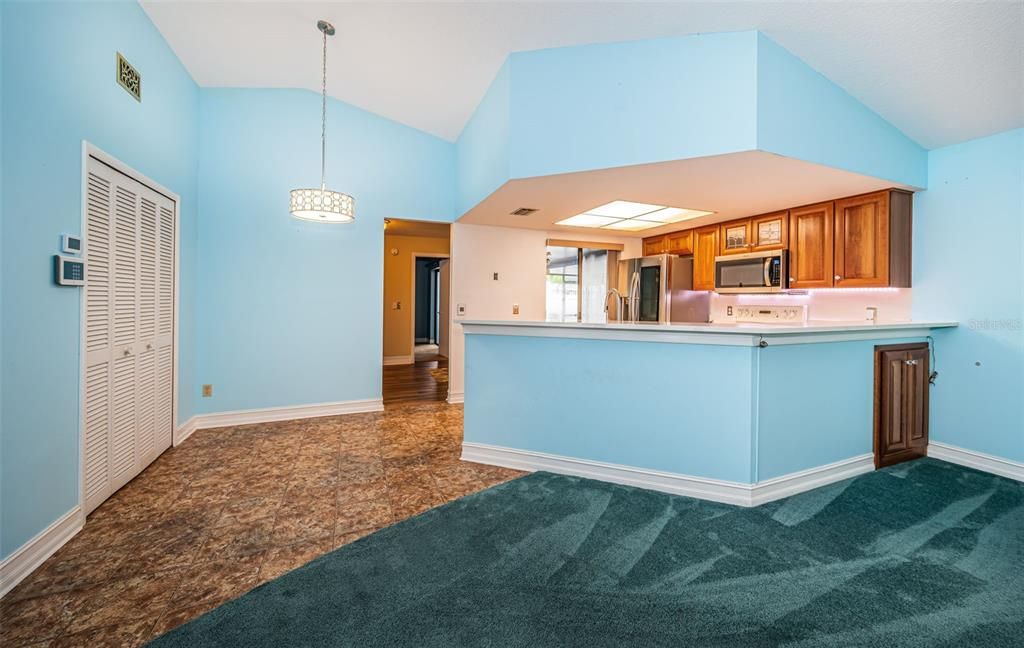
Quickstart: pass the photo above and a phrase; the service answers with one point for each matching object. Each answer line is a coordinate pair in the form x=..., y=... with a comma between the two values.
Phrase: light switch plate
x=515, y=309
x=460, y=310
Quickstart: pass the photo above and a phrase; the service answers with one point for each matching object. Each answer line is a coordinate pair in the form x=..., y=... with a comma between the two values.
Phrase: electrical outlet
x=207, y=391
x=728, y=311
x=515, y=309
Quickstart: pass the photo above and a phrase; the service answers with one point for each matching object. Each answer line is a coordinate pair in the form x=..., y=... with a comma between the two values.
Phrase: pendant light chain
x=323, y=120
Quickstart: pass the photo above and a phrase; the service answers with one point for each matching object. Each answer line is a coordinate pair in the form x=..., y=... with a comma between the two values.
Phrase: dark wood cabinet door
x=862, y=241
x=901, y=403
x=810, y=246
x=705, y=248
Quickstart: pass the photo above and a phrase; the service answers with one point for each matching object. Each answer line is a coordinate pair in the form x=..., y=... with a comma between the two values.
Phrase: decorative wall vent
x=523, y=211
x=128, y=77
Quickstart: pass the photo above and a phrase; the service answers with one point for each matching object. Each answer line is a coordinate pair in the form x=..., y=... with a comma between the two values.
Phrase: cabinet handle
x=837, y=278
x=912, y=363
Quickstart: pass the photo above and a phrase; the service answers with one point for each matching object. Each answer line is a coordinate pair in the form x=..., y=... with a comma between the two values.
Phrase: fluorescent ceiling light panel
x=588, y=220
x=672, y=215
x=632, y=225
x=623, y=209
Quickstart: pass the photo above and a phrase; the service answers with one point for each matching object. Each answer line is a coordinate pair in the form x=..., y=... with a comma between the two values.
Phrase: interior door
x=128, y=330
x=445, y=309
x=901, y=403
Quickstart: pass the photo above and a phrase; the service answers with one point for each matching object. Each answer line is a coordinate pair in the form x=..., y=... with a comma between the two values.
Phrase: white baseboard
x=454, y=398
x=715, y=490
x=977, y=460
x=184, y=431
x=25, y=560
x=399, y=360
x=770, y=490
x=271, y=414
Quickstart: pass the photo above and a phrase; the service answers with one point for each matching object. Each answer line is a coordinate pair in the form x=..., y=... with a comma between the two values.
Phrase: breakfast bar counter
x=739, y=413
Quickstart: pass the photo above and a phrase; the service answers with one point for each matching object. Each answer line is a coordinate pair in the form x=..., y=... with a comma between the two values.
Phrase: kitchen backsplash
x=840, y=304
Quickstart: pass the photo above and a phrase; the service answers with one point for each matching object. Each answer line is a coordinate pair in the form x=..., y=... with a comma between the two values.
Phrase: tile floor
x=234, y=507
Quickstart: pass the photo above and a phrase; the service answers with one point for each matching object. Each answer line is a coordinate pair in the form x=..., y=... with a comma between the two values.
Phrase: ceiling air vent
x=523, y=211
x=129, y=77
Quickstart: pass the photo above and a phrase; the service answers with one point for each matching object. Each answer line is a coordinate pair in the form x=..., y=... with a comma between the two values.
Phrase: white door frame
x=90, y=150
x=412, y=317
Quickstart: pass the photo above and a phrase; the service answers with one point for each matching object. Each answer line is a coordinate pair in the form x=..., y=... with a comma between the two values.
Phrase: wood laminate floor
x=426, y=380
x=231, y=508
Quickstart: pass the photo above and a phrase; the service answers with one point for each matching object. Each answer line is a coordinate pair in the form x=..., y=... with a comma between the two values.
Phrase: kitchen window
x=577, y=280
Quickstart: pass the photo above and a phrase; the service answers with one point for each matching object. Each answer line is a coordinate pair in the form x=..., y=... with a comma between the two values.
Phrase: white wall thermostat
x=69, y=271
x=71, y=244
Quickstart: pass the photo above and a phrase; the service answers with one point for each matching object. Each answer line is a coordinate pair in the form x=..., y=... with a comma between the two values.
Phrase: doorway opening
x=417, y=313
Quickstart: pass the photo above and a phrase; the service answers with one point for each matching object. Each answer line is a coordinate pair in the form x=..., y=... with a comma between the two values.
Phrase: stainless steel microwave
x=757, y=272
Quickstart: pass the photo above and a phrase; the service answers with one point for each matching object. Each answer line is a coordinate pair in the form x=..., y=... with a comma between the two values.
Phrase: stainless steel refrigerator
x=658, y=289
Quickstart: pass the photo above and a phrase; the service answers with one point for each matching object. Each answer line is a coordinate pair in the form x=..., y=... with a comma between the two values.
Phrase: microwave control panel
x=796, y=314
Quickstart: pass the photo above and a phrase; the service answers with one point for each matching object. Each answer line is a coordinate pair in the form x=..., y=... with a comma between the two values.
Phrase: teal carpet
x=921, y=554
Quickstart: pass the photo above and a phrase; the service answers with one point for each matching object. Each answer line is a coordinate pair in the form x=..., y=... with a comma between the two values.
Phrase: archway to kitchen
x=416, y=311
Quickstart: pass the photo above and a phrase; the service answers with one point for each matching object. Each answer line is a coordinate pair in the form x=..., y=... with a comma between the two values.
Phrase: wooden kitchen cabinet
x=679, y=242
x=734, y=237
x=872, y=240
x=901, y=402
x=655, y=245
x=705, y=248
x=811, y=245
x=757, y=234
x=769, y=232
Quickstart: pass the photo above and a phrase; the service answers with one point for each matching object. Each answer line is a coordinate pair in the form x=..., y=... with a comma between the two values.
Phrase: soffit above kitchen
x=940, y=72
x=731, y=186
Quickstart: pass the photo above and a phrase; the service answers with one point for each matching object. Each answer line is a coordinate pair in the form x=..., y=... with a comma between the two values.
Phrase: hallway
x=424, y=380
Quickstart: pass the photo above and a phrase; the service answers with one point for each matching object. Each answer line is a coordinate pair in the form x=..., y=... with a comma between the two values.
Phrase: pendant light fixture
x=323, y=205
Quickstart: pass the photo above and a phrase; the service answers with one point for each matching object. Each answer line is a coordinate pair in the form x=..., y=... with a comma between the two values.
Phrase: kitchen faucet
x=619, y=302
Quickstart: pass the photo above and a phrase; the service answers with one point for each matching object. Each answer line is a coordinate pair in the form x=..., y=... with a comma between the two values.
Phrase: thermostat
x=71, y=244
x=69, y=271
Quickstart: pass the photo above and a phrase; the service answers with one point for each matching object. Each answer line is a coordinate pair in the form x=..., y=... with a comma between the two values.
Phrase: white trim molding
x=28, y=557
x=715, y=490
x=184, y=431
x=271, y=414
x=399, y=360
x=770, y=490
x=454, y=398
x=977, y=460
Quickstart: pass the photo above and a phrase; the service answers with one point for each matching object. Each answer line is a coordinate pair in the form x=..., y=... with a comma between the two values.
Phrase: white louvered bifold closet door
x=129, y=330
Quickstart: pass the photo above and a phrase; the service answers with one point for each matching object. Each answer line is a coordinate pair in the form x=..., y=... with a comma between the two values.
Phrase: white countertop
x=717, y=333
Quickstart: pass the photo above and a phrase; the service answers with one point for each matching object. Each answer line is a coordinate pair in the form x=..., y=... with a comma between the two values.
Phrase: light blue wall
x=968, y=244
x=289, y=311
x=611, y=105
x=671, y=407
x=802, y=114
x=815, y=405
x=482, y=150
x=58, y=89
x=600, y=106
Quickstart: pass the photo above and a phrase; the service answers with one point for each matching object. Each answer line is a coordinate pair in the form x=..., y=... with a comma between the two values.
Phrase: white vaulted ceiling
x=942, y=72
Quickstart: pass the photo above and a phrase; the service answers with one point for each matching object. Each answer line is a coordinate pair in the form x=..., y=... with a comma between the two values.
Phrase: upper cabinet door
x=735, y=237
x=705, y=247
x=654, y=246
x=679, y=242
x=810, y=246
x=769, y=232
x=862, y=241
